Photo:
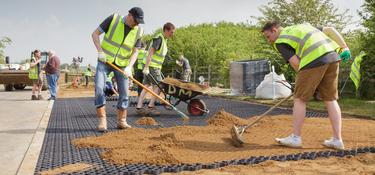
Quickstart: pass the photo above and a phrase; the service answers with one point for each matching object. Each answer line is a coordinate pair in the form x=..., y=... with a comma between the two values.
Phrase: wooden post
x=209, y=74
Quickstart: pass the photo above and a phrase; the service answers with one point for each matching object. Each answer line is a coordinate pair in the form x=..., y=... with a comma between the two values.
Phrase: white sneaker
x=334, y=143
x=290, y=141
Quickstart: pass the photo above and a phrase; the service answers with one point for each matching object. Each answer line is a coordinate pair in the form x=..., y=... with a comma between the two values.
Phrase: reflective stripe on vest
x=308, y=42
x=113, y=39
x=33, y=71
x=355, y=73
x=158, y=57
x=141, y=58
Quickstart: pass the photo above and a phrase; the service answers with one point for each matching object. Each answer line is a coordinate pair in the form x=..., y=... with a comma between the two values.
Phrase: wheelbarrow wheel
x=196, y=107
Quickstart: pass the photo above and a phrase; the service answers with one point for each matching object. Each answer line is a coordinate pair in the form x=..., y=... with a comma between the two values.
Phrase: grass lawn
x=349, y=106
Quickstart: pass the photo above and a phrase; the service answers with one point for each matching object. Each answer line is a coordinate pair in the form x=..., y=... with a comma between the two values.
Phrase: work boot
x=334, y=143
x=141, y=111
x=40, y=97
x=121, y=116
x=290, y=141
x=102, y=126
x=33, y=97
x=152, y=111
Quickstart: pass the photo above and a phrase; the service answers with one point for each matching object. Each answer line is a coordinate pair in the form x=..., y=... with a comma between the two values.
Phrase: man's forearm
x=133, y=57
x=149, y=56
x=96, y=40
x=335, y=36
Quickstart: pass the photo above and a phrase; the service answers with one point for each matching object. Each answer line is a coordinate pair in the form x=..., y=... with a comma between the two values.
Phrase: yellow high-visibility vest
x=355, y=74
x=114, y=42
x=33, y=71
x=158, y=57
x=308, y=42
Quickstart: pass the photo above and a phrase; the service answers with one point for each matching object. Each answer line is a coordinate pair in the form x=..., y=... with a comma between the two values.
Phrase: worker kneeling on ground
x=153, y=65
x=312, y=54
x=120, y=47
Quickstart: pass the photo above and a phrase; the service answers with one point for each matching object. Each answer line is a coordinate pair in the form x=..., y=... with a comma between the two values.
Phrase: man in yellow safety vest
x=119, y=46
x=313, y=55
x=156, y=54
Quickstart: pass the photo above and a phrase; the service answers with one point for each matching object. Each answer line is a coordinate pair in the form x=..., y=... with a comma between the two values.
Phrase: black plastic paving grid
x=76, y=118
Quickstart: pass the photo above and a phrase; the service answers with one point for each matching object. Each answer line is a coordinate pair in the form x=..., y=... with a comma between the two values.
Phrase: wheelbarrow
x=176, y=91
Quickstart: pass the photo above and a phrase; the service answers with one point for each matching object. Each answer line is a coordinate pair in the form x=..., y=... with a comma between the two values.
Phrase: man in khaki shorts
x=312, y=54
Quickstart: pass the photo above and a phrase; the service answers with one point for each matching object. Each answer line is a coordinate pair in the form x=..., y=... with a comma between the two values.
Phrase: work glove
x=345, y=54
x=101, y=57
x=128, y=71
x=146, y=71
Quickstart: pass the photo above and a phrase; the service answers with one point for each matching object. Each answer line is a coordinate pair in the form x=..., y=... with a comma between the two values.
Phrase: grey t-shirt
x=185, y=64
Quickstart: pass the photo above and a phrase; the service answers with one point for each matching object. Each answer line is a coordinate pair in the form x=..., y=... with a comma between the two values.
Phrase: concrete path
x=21, y=135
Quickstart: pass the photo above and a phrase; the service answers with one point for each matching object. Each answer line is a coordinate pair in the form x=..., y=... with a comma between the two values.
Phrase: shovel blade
x=236, y=134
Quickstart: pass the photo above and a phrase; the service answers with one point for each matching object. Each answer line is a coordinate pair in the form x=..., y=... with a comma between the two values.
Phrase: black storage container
x=246, y=75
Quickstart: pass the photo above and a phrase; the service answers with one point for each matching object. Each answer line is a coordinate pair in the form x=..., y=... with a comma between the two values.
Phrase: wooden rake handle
x=269, y=110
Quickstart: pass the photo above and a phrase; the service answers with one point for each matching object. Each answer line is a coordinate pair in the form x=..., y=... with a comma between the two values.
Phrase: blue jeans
x=102, y=71
x=52, y=84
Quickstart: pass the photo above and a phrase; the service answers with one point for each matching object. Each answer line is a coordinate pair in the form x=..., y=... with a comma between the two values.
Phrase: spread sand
x=146, y=121
x=188, y=85
x=68, y=169
x=360, y=164
x=197, y=144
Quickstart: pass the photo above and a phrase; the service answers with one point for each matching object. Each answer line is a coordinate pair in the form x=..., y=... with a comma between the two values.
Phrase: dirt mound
x=223, y=118
x=188, y=85
x=148, y=121
x=207, y=144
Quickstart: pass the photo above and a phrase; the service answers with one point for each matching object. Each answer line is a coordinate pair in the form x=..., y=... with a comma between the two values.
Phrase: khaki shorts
x=323, y=78
x=156, y=73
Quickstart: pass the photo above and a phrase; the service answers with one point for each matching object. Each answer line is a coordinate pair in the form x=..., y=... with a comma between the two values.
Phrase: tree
x=316, y=12
x=367, y=84
x=3, y=42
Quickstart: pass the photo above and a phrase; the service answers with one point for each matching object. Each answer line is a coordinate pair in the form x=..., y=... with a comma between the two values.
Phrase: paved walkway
x=20, y=130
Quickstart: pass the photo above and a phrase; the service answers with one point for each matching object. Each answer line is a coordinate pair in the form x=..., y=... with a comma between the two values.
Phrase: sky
x=65, y=26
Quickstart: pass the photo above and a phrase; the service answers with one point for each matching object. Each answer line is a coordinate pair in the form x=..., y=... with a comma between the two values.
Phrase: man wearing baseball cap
x=119, y=46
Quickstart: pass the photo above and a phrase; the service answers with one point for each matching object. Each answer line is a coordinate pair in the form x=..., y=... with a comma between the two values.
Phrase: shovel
x=237, y=131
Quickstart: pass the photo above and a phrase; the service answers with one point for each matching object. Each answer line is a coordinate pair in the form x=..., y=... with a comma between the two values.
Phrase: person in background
x=52, y=72
x=110, y=85
x=138, y=68
x=36, y=75
x=186, y=70
x=153, y=64
x=88, y=74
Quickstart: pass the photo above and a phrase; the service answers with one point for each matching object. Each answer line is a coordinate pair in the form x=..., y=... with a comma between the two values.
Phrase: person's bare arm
x=335, y=36
x=95, y=38
x=133, y=56
x=294, y=62
x=149, y=56
x=32, y=64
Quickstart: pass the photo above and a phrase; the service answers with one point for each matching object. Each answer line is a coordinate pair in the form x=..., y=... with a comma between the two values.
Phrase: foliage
x=367, y=86
x=316, y=12
x=215, y=45
x=291, y=12
x=3, y=42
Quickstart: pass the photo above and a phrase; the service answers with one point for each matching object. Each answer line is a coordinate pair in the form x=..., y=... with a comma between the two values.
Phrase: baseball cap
x=137, y=13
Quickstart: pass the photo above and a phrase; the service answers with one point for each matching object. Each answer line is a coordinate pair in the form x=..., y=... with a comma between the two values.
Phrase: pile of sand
x=188, y=85
x=148, y=121
x=223, y=118
x=197, y=144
